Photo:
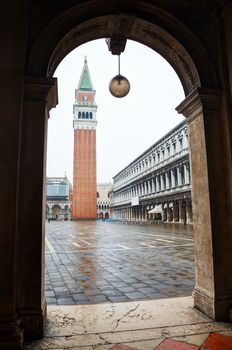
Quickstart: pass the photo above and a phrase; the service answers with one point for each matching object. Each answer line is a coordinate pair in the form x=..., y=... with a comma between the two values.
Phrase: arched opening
x=201, y=106
x=56, y=212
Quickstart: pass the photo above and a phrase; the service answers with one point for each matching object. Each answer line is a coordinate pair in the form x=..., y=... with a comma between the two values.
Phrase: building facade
x=157, y=184
x=103, y=200
x=58, y=198
x=84, y=201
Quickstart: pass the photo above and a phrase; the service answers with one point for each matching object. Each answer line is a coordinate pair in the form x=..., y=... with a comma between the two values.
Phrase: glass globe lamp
x=119, y=86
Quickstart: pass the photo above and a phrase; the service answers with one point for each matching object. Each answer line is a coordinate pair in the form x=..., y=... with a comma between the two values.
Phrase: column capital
x=41, y=89
x=199, y=100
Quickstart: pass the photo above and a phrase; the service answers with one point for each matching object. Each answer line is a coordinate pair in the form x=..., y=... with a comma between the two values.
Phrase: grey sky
x=126, y=127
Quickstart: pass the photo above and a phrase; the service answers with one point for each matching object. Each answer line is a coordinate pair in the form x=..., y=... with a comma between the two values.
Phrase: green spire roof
x=85, y=82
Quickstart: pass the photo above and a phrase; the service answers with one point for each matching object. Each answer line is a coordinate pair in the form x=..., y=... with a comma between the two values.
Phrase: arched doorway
x=56, y=211
x=201, y=107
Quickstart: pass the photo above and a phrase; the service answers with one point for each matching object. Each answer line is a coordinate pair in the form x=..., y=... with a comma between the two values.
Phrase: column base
x=33, y=322
x=11, y=335
x=216, y=308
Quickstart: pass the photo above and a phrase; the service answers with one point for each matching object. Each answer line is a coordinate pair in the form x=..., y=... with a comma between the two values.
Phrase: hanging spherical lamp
x=119, y=85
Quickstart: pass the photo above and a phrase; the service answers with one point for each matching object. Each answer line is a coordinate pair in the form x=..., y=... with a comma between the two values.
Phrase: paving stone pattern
x=93, y=262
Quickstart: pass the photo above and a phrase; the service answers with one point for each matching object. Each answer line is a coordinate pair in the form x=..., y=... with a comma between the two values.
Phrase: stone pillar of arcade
x=175, y=211
x=164, y=213
x=206, y=113
x=189, y=215
x=169, y=212
x=40, y=95
x=182, y=212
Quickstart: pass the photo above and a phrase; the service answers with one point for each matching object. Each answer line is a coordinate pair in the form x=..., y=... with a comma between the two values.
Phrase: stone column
x=153, y=185
x=40, y=95
x=164, y=214
x=210, y=149
x=178, y=176
x=13, y=43
x=172, y=178
x=169, y=213
x=186, y=173
x=189, y=216
x=175, y=212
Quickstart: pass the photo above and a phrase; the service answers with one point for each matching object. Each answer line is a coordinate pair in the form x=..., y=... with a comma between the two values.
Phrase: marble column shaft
x=40, y=95
x=205, y=111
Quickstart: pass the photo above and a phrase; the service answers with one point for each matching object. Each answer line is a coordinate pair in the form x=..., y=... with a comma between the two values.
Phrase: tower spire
x=85, y=82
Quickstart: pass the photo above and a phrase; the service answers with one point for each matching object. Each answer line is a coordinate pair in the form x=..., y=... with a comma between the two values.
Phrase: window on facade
x=97, y=194
x=181, y=144
x=158, y=157
x=83, y=115
x=91, y=115
x=174, y=148
x=182, y=176
x=168, y=150
x=87, y=115
x=176, y=178
x=79, y=115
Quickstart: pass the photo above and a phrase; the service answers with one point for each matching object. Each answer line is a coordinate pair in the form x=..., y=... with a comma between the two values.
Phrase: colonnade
x=178, y=211
x=166, y=179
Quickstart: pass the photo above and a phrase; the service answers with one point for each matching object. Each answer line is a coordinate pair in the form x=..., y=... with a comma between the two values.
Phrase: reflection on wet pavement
x=93, y=262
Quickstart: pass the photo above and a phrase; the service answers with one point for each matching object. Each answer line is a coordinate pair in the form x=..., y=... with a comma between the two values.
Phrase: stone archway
x=56, y=210
x=202, y=108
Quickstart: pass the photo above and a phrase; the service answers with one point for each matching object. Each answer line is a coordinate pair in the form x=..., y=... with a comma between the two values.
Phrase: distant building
x=157, y=184
x=103, y=200
x=58, y=198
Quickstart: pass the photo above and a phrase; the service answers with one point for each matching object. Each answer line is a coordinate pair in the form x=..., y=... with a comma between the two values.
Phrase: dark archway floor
x=96, y=262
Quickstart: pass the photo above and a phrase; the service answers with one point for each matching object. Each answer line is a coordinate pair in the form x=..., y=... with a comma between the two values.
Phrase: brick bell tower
x=84, y=200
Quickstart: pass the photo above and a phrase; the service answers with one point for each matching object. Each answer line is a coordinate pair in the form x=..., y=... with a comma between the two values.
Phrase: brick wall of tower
x=84, y=175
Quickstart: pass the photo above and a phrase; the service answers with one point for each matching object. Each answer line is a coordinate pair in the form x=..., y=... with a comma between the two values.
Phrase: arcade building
x=157, y=184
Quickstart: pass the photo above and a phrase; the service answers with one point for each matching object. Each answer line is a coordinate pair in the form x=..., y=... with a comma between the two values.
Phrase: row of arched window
x=178, y=176
x=103, y=206
x=85, y=115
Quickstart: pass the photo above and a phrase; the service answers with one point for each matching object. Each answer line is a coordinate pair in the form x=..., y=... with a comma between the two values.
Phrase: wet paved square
x=93, y=262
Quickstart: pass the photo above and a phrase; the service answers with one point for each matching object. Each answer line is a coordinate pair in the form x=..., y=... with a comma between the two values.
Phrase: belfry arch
x=206, y=108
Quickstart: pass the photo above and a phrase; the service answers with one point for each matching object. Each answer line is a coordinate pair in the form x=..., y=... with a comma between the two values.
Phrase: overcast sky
x=126, y=127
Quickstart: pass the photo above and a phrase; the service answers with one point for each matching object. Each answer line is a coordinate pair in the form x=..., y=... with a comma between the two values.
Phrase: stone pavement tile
x=170, y=344
x=49, y=293
x=157, y=295
x=80, y=297
x=93, y=292
x=66, y=301
x=112, y=293
x=122, y=347
x=48, y=287
x=78, y=348
x=119, y=284
x=118, y=299
x=196, y=339
x=146, y=290
x=217, y=341
x=132, y=280
x=145, y=344
x=135, y=295
x=98, y=298
x=138, y=285
x=51, y=301
x=126, y=289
